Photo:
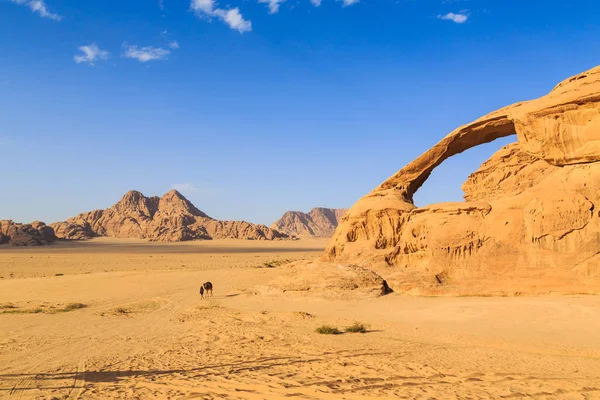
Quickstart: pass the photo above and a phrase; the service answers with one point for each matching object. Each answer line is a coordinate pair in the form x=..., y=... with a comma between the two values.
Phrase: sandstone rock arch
x=410, y=178
x=530, y=210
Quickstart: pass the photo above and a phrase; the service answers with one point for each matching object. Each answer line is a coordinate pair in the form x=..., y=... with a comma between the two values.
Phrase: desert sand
x=146, y=334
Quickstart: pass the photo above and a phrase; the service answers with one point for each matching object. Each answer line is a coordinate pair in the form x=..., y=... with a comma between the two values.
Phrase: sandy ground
x=146, y=334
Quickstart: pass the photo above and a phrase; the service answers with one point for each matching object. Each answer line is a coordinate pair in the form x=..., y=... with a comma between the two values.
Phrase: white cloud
x=459, y=18
x=40, y=7
x=161, y=4
x=185, y=187
x=316, y=3
x=232, y=17
x=90, y=54
x=273, y=5
x=174, y=44
x=144, y=54
x=350, y=2
x=205, y=6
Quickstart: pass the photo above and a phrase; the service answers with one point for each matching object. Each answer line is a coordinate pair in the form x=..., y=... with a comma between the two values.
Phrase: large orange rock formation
x=530, y=222
x=170, y=218
x=319, y=222
x=35, y=234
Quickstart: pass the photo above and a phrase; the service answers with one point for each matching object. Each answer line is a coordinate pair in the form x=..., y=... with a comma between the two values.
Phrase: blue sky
x=254, y=107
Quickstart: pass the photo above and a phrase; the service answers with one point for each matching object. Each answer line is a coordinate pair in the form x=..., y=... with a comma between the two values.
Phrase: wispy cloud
x=316, y=3
x=40, y=7
x=232, y=17
x=161, y=4
x=91, y=53
x=273, y=5
x=459, y=18
x=144, y=54
x=203, y=6
x=174, y=44
x=185, y=187
x=350, y=2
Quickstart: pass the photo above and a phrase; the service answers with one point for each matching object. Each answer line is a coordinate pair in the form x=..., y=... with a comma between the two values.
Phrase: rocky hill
x=530, y=222
x=34, y=234
x=170, y=218
x=319, y=222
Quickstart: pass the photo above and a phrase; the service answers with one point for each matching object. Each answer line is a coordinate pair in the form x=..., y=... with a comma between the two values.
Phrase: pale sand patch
x=109, y=255
x=239, y=346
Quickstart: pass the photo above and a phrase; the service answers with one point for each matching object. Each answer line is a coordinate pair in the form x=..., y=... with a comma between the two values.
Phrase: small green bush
x=357, y=327
x=273, y=263
x=328, y=330
x=12, y=309
x=73, y=306
x=21, y=311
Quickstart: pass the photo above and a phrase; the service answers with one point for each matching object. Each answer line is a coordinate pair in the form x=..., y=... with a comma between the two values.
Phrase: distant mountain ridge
x=319, y=222
x=170, y=218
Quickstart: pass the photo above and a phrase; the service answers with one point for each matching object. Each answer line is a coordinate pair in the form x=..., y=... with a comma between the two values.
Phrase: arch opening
x=444, y=184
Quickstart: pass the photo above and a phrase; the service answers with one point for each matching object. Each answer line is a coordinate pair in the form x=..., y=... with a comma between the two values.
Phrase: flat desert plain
x=144, y=332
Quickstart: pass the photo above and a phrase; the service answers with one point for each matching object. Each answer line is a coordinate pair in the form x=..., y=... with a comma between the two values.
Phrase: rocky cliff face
x=530, y=222
x=34, y=234
x=319, y=222
x=170, y=218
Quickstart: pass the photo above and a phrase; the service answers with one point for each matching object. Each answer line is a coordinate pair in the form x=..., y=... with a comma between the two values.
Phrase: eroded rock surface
x=327, y=280
x=530, y=221
x=319, y=222
x=170, y=218
x=35, y=234
x=509, y=171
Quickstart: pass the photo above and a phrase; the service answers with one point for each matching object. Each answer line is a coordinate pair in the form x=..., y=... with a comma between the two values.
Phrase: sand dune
x=146, y=334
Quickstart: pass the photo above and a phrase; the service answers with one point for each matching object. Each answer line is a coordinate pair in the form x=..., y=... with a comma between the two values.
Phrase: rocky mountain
x=34, y=234
x=530, y=222
x=170, y=218
x=319, y=222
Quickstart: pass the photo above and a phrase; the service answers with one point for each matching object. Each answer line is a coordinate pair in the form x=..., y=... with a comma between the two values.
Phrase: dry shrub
x=357, y=327
x=328, y=330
